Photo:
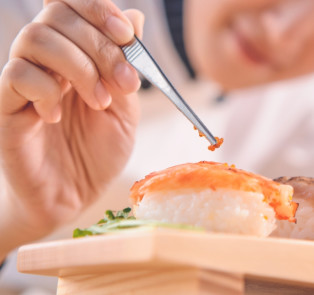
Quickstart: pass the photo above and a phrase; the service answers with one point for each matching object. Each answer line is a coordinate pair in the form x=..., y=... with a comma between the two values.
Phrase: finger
x=47, y=48
x=21, y=83
x=105, y=16
x=137, y=18
x=106, y=55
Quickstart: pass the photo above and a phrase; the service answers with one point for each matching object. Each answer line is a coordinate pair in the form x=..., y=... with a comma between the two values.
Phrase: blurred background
x=268, y=129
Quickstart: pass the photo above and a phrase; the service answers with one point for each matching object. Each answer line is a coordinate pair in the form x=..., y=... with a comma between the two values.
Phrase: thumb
x=137, y=19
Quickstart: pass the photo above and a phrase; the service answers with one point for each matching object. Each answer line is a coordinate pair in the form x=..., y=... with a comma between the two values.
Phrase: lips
x=249, y=48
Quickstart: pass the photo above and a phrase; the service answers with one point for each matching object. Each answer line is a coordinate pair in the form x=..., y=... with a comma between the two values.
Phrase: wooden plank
x=289, y=260
x=284, y=259
x=258, y=286
x=216, y=283
x=85, y=255
x=167, y=281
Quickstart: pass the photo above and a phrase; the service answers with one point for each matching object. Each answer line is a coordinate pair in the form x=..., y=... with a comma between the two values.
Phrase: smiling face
x=241, y=43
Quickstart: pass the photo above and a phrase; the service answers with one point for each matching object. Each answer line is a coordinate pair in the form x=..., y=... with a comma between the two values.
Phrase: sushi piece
x=304, y=195
x=216, y=196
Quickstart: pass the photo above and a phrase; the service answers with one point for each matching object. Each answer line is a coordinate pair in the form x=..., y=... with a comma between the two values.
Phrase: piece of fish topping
x=303, y=187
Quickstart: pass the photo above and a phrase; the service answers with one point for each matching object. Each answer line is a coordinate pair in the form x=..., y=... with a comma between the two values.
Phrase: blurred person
x=244, y=43
x=57, y=142
x=241, y=44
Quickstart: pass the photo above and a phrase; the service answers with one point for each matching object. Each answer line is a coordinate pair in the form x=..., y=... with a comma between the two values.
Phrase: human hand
x=244, y=43
x=68, y=113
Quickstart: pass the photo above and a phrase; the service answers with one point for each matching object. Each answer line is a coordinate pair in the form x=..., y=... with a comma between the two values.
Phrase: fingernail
x=102, y=95
x=120, y=31
x=56, y=114
x=126, y=77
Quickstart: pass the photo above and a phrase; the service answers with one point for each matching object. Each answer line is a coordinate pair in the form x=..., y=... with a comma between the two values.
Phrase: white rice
x=227, y=211
x=303, y=229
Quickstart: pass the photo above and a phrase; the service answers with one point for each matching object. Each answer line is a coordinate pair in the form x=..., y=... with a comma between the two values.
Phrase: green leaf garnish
x=120, y=221
x=110, y=215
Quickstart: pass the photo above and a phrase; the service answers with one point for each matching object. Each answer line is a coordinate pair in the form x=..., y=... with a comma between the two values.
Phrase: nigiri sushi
x=215, y=196
x=303, y=194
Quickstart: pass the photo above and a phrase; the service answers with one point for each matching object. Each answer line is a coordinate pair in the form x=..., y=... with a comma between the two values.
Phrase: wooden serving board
x=166, y=261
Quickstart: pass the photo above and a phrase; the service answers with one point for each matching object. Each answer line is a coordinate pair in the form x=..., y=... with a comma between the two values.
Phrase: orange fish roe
x=201, y=134
x=212, y=147
x=217, y=145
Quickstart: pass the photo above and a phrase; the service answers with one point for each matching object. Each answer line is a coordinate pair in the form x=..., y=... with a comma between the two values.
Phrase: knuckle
x=107, y=53
x=34, y=33
x=103, y=48
x=14, y=70
x=57, y=12
x=87, y=70
x=100, y=9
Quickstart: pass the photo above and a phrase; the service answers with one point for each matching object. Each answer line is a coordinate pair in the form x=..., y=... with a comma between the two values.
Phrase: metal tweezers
x=139, y=57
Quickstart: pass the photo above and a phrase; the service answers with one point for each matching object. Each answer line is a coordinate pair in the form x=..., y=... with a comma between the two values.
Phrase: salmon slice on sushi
x=215, y=196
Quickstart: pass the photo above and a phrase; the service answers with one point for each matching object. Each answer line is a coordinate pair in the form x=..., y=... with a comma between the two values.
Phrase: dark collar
x=174, y=14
